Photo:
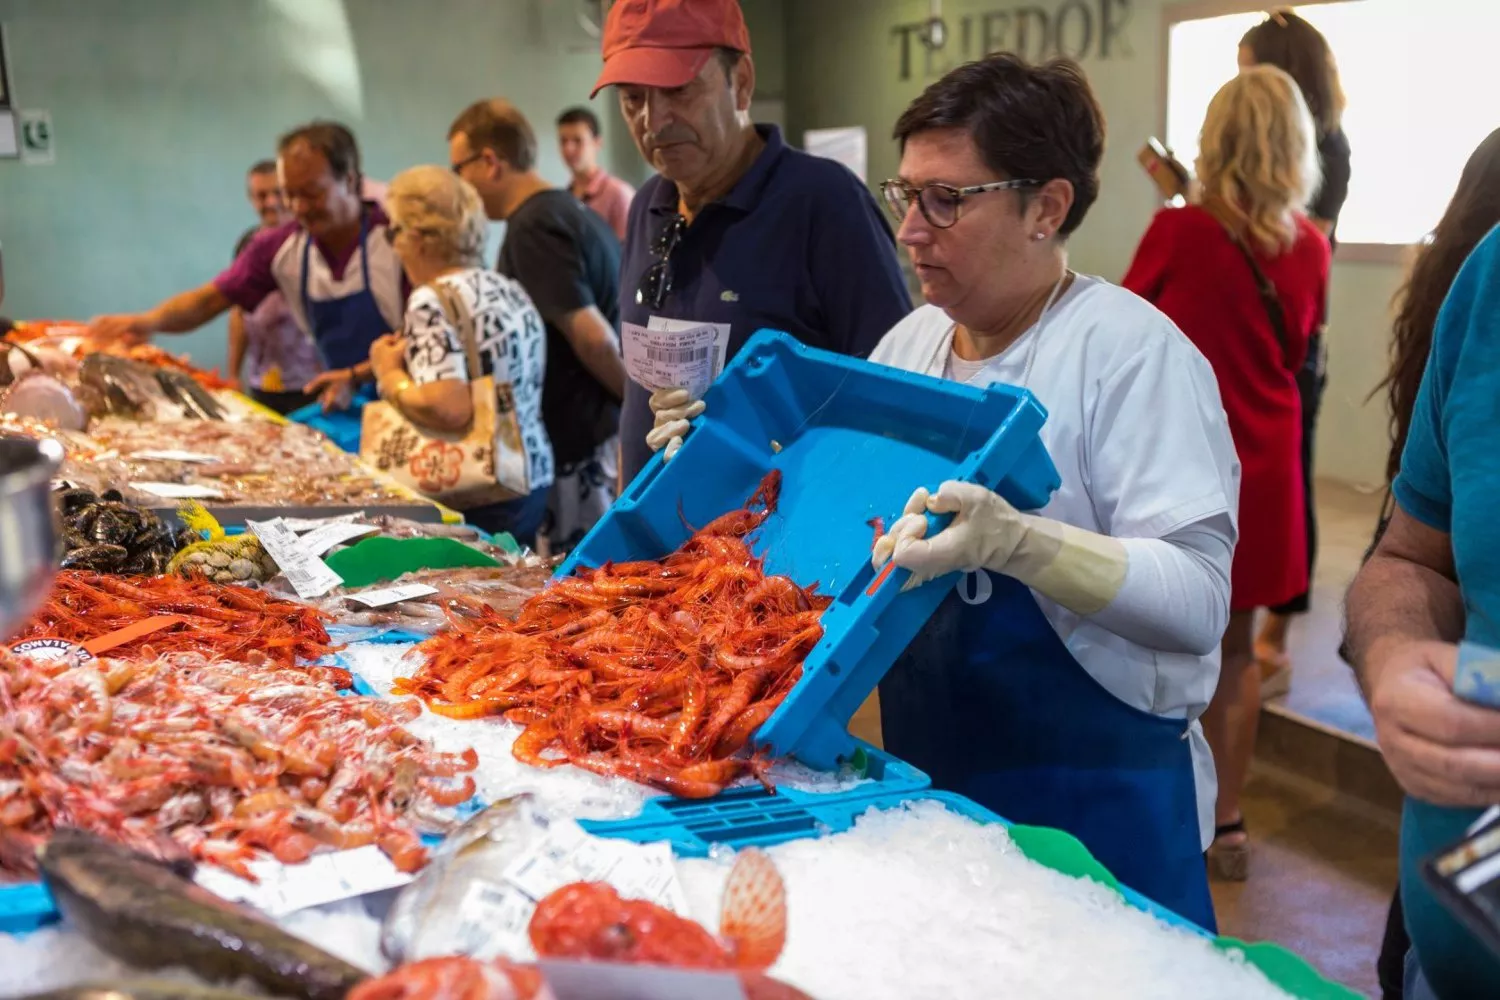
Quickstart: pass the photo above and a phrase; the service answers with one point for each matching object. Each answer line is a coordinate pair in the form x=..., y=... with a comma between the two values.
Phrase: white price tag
x=689, y=356
x=170, y=455
x=320, y=540
x=391, y=595
x=309, y=575
x=322, y=879
x=300, y=524
x=179, y=491
x=612, y=981
x=568, y=854
x=494, y=922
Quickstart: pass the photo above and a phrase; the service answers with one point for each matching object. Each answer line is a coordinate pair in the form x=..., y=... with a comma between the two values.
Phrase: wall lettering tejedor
x=1078, y=29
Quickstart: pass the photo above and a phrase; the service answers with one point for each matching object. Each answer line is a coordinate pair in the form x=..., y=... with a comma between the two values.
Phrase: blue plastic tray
x=852, y=440
x=752, y=817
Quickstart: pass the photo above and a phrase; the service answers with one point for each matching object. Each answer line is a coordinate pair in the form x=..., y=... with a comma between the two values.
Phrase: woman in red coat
x=1243, y=273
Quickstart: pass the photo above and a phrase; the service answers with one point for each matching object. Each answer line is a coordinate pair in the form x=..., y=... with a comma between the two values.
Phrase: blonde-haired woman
x=1244, y=273
x=438, y=228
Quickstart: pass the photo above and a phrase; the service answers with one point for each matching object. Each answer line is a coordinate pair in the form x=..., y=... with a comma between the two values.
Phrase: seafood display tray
x=851, y=440
x=235, y=515
x=750, y=816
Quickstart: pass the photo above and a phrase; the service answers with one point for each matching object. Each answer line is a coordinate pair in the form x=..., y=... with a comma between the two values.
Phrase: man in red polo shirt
x=579, y=139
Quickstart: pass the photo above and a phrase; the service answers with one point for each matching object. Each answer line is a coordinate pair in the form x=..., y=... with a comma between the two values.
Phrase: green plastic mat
x=375, y=560
x=1064, y=853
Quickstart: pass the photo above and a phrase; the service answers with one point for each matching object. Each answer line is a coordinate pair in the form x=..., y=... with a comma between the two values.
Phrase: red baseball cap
x=666, y=43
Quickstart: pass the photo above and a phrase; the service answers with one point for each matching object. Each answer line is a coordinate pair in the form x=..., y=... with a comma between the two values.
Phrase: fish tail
x=753, y=916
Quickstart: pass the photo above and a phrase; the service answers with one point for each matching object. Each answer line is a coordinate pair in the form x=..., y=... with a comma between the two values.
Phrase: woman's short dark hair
x=1038, y=122
x=1289, y=43
x=331, y=139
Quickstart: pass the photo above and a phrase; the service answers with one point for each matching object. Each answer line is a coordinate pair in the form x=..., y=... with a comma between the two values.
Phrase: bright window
x=1419, y=79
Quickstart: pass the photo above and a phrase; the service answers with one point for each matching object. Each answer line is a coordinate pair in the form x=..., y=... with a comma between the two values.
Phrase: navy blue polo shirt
x=798, y=245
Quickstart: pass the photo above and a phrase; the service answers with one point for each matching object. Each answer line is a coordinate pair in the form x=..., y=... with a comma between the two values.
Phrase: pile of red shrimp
x=657, y=671
x=213, y=760
x=213, y=619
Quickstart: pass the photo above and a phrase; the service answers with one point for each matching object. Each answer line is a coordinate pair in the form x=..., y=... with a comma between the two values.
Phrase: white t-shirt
x=1139, y=436
x=512, y=348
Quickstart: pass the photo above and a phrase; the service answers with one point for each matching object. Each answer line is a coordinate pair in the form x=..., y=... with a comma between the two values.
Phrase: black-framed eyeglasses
x=393, y=231
x=656, y=283
x=458, y=168
x=941, y=204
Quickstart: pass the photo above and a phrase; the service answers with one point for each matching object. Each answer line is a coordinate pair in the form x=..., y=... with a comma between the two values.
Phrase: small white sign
x=37, y=147
x=308, y=575
x=318, y=881
x=320, y=540
x=392, y=595
x=9, y=148
x=849, y=146
x=178, y=491
x=301, y=524
x=171, y=455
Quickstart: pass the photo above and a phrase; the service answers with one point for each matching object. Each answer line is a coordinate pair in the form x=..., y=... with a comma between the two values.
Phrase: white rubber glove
x=1081, y=570
x=674, y=409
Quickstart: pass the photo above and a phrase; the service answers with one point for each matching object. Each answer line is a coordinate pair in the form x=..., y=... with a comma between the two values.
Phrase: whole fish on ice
x=150, y=915
x=138, y=989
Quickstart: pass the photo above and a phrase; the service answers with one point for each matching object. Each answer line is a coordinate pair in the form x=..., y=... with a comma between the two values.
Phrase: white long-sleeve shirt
x=1139, y=436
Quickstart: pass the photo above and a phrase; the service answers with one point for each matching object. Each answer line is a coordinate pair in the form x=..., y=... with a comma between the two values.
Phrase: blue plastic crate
x=852, y=440
x=749, y=816
x=24, y=907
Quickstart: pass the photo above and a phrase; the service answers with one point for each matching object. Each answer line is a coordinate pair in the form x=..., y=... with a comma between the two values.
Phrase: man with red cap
x=738, y=232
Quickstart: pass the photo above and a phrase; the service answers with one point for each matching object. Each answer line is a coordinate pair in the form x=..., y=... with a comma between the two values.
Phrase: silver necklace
x=1035, y=330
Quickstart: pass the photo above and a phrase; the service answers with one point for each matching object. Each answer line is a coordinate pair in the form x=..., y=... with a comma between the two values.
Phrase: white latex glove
x=1081, y=570
x=674, y=409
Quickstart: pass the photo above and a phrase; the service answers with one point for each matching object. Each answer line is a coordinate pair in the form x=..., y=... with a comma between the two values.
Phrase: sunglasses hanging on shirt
x=656, y=283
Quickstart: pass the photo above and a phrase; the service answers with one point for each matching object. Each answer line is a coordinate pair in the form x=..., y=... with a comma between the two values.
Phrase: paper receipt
x=689, y=358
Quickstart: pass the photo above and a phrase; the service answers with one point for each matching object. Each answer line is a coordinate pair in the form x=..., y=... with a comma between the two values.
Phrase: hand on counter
x=124, y=328
x=334, y=389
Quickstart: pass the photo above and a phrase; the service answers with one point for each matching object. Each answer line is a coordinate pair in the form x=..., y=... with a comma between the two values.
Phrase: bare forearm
x=188, y=311
x=592, y=339
x=440, y=406
x=1393, y=601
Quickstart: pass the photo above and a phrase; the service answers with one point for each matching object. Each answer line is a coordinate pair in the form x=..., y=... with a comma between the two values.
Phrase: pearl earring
x=1039, y=236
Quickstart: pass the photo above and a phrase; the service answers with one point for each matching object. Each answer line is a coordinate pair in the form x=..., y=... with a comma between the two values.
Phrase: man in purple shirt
x=344, y=296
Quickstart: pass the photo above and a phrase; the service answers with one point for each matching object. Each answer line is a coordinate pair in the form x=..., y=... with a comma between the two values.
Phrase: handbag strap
x=1268, y=294
x=463, y=320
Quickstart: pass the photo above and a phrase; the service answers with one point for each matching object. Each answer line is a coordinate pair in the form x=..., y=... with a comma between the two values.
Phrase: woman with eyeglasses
x=461, y=312
x=1061, y=683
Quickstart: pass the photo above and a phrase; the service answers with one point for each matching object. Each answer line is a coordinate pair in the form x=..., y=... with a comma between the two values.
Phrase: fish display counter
x=414, y=762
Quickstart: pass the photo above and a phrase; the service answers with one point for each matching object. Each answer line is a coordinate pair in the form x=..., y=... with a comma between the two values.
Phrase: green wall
x=844, y=68
x=158, y=106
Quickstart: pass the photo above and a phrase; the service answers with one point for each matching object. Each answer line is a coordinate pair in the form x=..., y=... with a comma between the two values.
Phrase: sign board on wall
x=1078, y=29
x=849, y=146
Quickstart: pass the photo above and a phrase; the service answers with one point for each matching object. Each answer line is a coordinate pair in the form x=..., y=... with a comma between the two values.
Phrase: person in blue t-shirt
x=1434, y=580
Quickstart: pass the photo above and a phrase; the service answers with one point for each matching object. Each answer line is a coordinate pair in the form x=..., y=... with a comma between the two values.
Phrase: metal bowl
x=28, y=526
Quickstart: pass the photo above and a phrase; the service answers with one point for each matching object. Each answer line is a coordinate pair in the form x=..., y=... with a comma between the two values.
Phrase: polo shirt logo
x=727, y=296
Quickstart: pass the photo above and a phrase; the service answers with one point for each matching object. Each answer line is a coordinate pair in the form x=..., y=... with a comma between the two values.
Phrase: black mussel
x=114, y=495
x=100, y=558
x=75, y=499
x=115, y=523
x=186, y=536
x=151, y=562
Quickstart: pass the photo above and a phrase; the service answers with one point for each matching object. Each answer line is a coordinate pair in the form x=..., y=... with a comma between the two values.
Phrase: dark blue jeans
x=522, y=517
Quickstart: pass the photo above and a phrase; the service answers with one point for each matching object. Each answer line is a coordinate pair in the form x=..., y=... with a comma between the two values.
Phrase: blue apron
x=989, y=702
x=343, y=330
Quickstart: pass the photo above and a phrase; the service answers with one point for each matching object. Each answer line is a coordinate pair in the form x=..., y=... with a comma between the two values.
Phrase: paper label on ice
x=322, y=879
x=611, y=981
x=688, y=356
x=493, y=921
x=320, y=540
x=178, y=491
x=568, y=854
x=298, y=525
x=391, y=595
x=308, y=575
x=173, y=455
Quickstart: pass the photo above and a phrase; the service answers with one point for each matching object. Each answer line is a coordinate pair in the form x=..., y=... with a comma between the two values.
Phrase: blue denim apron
x=989, y=702
x=343, y=329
